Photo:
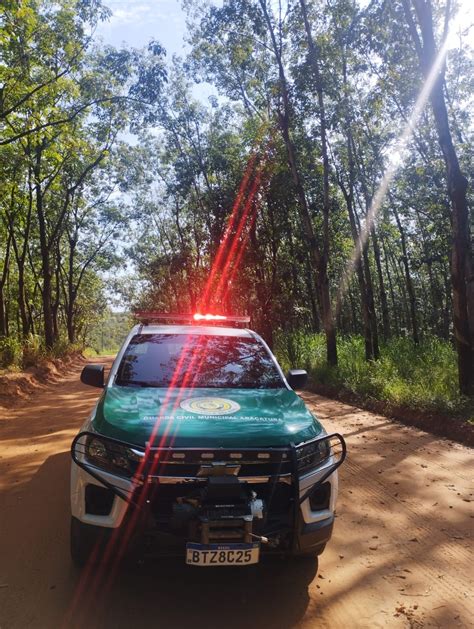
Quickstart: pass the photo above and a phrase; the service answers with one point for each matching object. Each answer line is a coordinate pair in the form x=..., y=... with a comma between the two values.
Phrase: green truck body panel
x=205, y=417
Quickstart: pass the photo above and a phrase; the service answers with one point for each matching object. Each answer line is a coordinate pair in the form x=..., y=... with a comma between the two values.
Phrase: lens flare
x=391, y=170
x=98, y=579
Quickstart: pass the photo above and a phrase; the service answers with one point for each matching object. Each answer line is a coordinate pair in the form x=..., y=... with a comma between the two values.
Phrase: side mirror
x=93, y=375
x=297, y=378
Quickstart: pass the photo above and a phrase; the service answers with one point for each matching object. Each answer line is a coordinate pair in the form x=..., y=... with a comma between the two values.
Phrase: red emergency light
x=208, y=317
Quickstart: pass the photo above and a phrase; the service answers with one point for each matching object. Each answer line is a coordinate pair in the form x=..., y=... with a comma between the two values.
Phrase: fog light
x=99, y=500
x=319, y=499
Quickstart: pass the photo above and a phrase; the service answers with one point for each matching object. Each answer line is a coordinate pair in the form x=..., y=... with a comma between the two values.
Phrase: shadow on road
x=172, y=595
x=160, y=593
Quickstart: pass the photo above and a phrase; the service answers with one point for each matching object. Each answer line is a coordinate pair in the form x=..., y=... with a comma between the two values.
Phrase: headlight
x=312, y=455
x=112, y=457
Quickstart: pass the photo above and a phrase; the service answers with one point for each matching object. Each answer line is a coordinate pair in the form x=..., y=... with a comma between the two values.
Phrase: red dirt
x=16, y=387
x=455, y=428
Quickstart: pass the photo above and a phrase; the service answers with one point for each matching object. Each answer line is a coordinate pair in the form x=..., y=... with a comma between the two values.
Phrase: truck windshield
x=195, y=360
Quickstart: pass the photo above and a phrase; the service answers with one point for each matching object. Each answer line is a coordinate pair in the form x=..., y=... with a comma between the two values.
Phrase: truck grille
x=278, y=499
x=196, y=463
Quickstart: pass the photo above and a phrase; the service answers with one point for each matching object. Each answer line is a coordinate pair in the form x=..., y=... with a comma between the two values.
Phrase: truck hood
x=204, y=417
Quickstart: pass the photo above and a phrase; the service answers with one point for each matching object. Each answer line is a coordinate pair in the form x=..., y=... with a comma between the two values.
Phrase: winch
x=223, y=510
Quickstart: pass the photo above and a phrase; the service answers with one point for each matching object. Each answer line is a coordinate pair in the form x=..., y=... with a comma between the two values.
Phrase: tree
x=462, y=272
x=63, y=103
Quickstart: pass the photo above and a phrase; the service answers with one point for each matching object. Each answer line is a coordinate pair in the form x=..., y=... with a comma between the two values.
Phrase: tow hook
x=261, y=538
x=273, y=543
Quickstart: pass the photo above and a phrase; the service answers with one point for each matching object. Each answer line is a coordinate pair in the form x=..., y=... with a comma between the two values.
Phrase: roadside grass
x=90, y=352
x=16, y=355
x=423, y=377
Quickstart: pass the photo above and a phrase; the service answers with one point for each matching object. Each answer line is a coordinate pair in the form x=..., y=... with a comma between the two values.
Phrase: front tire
x=314, y=552
x=87, y=542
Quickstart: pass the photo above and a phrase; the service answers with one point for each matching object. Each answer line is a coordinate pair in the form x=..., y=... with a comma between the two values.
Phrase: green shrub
x=300, y=349
x=421, y=376
x=61, y=347
x=10, y=352
x=33, y=351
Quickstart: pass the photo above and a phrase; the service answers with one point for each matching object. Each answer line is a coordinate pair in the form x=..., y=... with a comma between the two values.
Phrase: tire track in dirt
x=458, y=578
x=331, y=410
x=380, y=490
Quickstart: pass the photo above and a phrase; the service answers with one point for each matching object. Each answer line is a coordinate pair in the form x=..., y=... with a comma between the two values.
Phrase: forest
x=324, y=188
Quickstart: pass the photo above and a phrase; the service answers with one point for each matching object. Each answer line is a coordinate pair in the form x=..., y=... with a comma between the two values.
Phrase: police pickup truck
x=199, y=447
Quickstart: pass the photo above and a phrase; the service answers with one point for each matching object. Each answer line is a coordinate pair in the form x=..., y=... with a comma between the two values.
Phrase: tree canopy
x=286, y=195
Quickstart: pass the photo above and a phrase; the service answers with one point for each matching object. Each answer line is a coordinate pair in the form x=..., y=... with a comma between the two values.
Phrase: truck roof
x=204, y=330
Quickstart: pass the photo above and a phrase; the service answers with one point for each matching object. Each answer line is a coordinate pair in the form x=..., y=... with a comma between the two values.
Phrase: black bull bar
x=284, y=462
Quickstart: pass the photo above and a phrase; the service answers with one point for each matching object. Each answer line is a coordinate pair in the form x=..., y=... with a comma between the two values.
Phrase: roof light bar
x=147, y=317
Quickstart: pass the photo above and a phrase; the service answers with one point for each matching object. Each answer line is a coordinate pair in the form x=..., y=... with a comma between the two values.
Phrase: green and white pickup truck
x=199, y=447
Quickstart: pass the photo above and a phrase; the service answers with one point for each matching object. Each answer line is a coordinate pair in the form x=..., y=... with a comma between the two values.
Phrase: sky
x=136, y=22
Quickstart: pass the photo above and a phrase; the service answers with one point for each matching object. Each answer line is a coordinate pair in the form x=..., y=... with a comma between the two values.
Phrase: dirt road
x=399, y=556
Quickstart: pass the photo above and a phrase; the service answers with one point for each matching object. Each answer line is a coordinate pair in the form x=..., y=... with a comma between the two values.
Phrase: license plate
x=222, y=554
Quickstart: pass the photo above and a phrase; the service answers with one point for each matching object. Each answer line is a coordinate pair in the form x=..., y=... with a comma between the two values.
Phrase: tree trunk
x=401, y=303
x=382, y=291
x=409, y=283
x=462, y=278
x=20, y=263
x=369, y=348
x=448, y=306
x=370, y=301
x=315, y=325
x=318, y=258
x=355, y=327
x=71, y=293
x=323, y=280
x=364, y=275
x=3, y=323
x=25, y=324
x=20, y=255
x=362, y=270
x=3, y=279
x=46, y=290
x=57, y=296
x=394, y=310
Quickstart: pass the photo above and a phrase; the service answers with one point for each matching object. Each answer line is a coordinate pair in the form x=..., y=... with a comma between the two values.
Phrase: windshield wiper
x=139, y=383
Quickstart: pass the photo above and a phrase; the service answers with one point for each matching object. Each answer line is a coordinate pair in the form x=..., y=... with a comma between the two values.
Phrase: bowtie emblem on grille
x=219, y=469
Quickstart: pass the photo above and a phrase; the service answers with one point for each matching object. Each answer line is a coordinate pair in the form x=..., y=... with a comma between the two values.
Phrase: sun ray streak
x=391, y=170
x=235, y=242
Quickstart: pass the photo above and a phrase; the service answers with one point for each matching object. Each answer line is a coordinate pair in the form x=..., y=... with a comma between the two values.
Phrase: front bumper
x=299, y=525
x=311, y=538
